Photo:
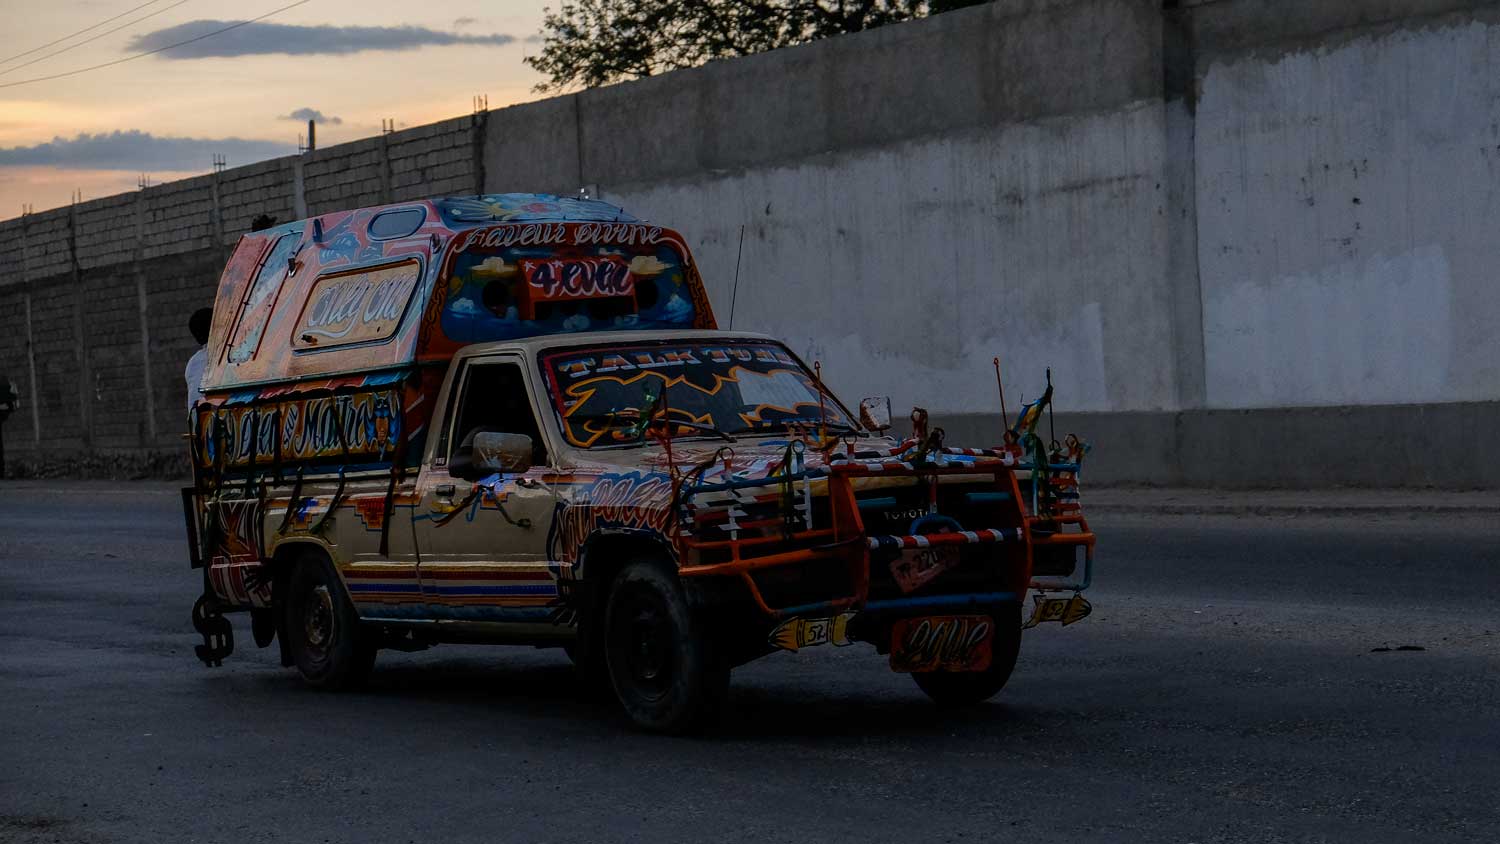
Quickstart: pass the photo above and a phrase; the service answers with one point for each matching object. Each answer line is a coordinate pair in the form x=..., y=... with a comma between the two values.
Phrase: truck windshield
x=741, y=387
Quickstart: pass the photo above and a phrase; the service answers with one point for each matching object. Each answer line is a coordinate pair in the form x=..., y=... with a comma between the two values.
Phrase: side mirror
x=487, y=452
x=495, y=452
x=875, y=413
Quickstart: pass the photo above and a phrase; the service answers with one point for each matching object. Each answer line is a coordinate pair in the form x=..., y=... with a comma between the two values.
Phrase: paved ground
x=1227, y=689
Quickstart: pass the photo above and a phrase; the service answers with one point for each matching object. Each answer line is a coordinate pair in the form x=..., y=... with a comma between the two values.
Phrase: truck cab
x=512, y=419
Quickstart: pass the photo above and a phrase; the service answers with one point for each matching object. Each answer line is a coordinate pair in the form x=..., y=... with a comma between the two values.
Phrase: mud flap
x=263, y=626
x=218, y=636
x=282, y=638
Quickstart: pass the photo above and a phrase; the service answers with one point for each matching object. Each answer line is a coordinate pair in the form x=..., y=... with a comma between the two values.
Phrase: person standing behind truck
x=198, y=324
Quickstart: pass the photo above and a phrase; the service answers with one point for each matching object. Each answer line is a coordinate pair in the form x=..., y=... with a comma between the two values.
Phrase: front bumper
x=757, y=530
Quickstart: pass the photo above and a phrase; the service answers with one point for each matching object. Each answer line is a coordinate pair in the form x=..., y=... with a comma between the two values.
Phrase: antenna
x=1051, y=409
x=387, y=125
x=219, y=163
x=143, y=181
x=481, y=103
x=735, y=294
x=1004, y=414
x=822, y=411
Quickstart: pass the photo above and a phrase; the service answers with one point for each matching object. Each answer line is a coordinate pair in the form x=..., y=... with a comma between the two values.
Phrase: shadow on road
x=484, y=691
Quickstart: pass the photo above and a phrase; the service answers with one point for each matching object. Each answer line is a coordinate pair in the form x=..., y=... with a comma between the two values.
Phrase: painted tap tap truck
x=512, y=419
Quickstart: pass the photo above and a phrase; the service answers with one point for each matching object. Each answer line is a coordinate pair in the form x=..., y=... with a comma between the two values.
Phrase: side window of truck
x=493, y=398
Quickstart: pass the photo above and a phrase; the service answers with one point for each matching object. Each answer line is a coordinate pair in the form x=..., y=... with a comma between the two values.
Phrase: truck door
x=482, y=541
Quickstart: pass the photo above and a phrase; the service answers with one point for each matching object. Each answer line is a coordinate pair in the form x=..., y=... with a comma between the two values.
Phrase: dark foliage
x=595, y=42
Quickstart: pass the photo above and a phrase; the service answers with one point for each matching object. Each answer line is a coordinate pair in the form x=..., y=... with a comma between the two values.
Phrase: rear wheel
x=666, y=671
x=323, y=629
x=967, y=688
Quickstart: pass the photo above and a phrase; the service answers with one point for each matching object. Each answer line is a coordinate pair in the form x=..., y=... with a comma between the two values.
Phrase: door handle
x=443, y=490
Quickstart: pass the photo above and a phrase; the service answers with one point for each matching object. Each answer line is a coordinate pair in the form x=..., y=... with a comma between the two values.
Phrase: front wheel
x=323, y=629
x=967, y=688
x=665, y=668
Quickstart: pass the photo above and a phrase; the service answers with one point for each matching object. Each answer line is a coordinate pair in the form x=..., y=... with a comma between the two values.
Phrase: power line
x=79, y=32
x=157, y=50
x=93, y=38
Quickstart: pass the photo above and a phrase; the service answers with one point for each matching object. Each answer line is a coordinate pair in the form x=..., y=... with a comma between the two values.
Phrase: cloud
x=646, y=266
x=305, y=114
x=137, y=150
x=457, y=22
x=260, y=39
x=493, y=267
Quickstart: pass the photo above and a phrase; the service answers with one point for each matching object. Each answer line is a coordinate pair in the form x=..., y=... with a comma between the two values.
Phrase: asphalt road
x=1225, y=690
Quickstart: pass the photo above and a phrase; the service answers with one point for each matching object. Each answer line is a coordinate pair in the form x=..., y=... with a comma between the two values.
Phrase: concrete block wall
x=94, y=298
x=58, y=390
x=45, y=248
x=248, y=192
x=435, y=160
x=1251, y=237
x=22, y=430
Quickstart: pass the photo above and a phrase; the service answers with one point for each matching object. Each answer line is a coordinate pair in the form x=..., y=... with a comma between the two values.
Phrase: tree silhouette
x=587, y=43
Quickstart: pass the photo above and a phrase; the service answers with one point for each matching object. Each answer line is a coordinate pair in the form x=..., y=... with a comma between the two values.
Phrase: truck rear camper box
x=331, y=335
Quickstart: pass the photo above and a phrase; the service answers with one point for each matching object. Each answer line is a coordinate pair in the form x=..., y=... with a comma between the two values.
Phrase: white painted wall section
x=907, y=269
x=1347, y=219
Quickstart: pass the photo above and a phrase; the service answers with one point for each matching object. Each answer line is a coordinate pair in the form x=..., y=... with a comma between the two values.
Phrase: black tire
x=328, y=647
x=968, y=688
x=665, y=669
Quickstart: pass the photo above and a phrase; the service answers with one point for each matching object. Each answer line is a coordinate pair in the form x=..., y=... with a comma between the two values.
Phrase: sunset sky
x=245, y=94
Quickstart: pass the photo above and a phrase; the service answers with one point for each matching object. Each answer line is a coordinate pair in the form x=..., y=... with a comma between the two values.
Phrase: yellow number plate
x=1064, y=610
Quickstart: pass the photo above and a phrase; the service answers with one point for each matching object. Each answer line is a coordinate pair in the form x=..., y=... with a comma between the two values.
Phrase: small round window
x=389, y=224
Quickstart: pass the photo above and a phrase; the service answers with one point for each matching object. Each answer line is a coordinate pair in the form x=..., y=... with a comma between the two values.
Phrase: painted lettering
x=540, y=234
x=577, y=278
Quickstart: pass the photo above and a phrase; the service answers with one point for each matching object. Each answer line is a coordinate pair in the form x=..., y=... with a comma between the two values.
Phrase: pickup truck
x=511, y=419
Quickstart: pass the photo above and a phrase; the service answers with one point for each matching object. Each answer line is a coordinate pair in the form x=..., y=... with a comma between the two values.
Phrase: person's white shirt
x=193, y=375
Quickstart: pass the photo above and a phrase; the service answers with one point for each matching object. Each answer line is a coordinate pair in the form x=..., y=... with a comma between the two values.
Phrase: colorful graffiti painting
x=234, y=558
x=362, y=425
x=730, y=387
x=520, y=280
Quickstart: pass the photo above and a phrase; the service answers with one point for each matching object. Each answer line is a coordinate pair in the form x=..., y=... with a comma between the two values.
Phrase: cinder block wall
x=94, y=299
x=1251, y=237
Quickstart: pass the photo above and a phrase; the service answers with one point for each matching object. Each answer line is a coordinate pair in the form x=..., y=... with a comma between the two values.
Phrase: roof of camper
x=465, y=212
x=528, y=208
x=358, y=290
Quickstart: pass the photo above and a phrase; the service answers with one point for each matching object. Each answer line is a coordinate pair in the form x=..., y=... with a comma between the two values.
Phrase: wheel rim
x=317, y=621
x=645, y=644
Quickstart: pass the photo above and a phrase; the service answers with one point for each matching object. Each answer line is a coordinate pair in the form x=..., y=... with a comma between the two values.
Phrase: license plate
x=942, y=643
x=918, y=566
